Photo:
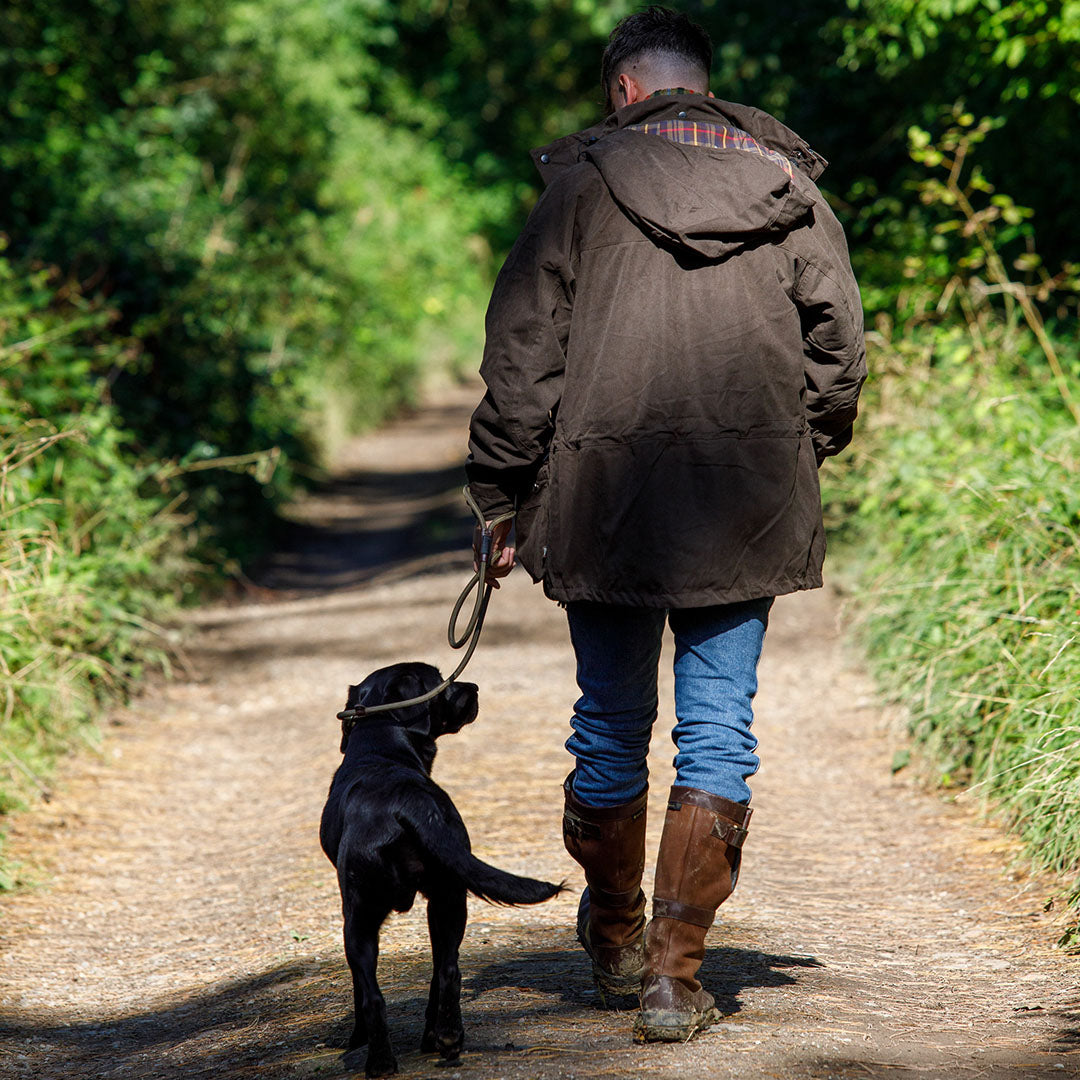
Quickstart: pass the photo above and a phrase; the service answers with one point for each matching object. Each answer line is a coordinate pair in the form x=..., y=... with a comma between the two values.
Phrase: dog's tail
x=483, y=880
x=498, y=886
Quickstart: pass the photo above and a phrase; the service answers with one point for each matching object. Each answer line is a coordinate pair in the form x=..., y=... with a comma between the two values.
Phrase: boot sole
x=627, y=987
x=615, y=986
x=663, y=1026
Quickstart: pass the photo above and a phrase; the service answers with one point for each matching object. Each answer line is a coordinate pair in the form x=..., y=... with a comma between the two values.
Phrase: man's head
x=656, y=49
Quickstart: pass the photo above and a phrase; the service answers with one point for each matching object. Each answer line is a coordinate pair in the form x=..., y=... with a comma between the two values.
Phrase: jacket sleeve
x=830, y=308
x=527, y=328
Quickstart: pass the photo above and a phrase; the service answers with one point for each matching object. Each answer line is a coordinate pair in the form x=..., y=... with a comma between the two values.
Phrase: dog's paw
x=376, y=1064
x=383, y=1067
x=448, y=1045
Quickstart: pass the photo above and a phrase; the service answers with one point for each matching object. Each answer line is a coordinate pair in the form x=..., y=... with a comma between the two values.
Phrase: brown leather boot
x=609, y=844
x=696, y=870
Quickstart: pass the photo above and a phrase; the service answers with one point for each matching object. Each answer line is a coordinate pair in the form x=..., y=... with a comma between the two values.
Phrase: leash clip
x=485, y=544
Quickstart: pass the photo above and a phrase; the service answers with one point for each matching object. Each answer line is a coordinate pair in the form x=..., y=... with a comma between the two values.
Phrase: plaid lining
x=711, y=135
x=673, y=90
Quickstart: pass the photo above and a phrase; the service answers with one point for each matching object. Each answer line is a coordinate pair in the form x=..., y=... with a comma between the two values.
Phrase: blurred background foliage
x=235, y=233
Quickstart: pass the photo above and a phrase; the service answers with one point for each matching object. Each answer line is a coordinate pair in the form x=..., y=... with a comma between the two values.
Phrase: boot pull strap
x=687, y=913
x=733, y=833
x=578, y=828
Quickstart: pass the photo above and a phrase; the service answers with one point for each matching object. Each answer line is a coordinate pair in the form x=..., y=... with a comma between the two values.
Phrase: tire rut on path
x=187, y=925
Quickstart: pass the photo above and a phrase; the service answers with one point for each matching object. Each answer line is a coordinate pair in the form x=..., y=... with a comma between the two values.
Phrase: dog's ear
x=354, y=698
x=458, y=706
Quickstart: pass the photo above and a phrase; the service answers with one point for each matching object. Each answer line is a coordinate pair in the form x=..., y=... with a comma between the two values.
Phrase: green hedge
x=959, y=510
x=93, y=539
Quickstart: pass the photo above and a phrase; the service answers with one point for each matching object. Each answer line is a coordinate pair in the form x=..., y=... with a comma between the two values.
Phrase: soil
x=184, y=922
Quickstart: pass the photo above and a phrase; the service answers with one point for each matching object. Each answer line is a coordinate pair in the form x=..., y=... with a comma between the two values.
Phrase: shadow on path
x=293, y=1020
x=519, y=1006
x=360, y=524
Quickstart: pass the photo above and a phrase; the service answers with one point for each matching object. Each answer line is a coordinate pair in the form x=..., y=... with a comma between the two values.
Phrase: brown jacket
x=673, y=346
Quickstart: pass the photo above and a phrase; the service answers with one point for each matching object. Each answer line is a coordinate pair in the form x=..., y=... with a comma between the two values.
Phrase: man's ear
x=628, y=90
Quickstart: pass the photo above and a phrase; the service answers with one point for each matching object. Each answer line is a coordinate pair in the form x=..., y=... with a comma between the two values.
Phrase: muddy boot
x=696, y=870
x=609, y=843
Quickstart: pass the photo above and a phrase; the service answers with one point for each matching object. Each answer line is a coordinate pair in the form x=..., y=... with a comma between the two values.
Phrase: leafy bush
x=278, y=258
x=961, y=507
x=92, y=544
x=222, y=260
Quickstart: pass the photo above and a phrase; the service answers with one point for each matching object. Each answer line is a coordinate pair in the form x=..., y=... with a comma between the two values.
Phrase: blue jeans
x=618, y=652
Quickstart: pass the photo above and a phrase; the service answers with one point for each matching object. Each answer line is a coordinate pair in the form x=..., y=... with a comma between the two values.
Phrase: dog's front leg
x=362, y=953
x=443, y=1031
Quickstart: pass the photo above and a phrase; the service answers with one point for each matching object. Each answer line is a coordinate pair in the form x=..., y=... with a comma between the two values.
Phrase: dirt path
x=187, y=924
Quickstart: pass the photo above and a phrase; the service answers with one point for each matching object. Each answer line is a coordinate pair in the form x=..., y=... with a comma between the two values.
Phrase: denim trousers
x=618, y=653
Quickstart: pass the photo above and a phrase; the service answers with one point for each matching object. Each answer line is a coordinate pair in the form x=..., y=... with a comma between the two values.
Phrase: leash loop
x=469, y=636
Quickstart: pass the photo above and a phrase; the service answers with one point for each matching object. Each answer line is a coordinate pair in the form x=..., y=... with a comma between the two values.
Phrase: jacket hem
x=690, y=599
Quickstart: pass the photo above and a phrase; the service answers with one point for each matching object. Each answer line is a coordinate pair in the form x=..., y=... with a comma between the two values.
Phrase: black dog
x=392, y=832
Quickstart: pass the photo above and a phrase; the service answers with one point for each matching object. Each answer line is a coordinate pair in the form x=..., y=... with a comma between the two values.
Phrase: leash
x=470, y=635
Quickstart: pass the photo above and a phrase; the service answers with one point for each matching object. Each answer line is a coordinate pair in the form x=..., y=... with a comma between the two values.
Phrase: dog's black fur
x=392, y=832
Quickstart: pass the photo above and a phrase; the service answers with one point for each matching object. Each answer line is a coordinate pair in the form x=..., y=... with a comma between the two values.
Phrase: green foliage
x=1017, y=62
x=91, y=544
x=488, y=80
x=962, y=499
x=960, y=505
x=259, y=233
x=221, y=260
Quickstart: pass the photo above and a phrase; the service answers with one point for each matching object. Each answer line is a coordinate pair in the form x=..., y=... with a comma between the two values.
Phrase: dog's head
x=447, y=712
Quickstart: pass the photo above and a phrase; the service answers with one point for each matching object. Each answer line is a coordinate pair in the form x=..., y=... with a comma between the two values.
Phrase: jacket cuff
x=827, y=445
x=491, y=499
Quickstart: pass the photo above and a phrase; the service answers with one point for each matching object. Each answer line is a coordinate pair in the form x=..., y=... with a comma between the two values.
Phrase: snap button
x=545, y=158
x=682, y=114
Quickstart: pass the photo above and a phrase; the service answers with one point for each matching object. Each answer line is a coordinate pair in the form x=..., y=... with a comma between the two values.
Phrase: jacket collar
x=552, y=159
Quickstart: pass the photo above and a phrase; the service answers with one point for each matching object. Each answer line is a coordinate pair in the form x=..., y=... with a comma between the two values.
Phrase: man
x=674, y=345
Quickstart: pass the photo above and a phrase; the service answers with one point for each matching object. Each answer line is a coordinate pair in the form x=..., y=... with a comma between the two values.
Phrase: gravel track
x=186, y=924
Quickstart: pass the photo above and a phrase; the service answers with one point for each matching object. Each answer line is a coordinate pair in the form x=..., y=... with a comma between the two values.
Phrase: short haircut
x=659, y=31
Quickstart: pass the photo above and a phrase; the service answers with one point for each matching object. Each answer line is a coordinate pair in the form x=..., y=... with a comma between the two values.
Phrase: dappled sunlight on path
x=187, y=924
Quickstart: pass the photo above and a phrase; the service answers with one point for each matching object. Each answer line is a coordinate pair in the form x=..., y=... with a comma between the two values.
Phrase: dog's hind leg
x=443, y=1030
x=362, y=953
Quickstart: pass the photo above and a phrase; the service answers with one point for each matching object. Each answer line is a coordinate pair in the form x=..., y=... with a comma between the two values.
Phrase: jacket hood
x=552, y=159
x=708, y=202
x=711, y=202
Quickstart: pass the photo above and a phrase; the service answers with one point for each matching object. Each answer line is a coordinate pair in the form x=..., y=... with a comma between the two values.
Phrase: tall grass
x=960, y=509
x=92, y=546
x=963, y=506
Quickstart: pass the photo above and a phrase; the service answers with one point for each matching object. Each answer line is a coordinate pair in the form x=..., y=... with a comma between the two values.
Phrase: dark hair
x=656, y=30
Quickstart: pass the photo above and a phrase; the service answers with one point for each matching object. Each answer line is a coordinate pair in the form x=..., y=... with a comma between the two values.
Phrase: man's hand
x=501, y=560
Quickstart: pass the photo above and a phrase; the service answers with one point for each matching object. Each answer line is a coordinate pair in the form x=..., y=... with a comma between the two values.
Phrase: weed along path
x=185, y=923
